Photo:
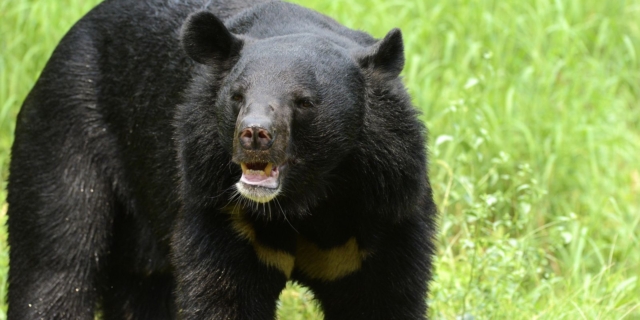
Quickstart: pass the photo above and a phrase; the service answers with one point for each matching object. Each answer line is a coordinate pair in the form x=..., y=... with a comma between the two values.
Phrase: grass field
x=534, y=114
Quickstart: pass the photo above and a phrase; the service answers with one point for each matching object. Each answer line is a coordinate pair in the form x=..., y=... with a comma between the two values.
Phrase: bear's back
x=277, y=18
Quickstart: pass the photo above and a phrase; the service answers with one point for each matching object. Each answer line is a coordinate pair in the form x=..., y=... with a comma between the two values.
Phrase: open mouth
x=260, y=181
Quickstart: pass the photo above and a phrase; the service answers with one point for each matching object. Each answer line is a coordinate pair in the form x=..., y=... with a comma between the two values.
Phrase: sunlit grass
x=534, y=114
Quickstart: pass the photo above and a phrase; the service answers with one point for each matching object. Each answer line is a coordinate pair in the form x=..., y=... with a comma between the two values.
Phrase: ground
x=534, y=114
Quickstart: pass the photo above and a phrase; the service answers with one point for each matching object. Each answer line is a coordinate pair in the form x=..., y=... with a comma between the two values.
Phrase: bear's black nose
x=255, y=138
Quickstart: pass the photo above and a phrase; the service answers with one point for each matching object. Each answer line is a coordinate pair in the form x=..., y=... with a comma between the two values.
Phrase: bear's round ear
x=385, y=56
x=207, y=40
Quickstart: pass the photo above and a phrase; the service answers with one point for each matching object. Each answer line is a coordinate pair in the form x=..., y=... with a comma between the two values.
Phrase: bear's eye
x=237, y=97
x=304, y=103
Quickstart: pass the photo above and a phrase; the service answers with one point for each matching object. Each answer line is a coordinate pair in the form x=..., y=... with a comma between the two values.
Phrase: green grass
x=534, y=114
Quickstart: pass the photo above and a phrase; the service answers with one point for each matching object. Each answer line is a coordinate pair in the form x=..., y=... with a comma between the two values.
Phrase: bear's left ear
x=207, y=40
x=386, y=56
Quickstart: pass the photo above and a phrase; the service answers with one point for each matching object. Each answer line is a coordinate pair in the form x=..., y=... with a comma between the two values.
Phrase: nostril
x=246, y=134
x=263, y=134
x=246, y=138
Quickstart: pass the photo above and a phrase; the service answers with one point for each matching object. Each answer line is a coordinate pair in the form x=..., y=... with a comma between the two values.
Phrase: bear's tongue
x=260, y=174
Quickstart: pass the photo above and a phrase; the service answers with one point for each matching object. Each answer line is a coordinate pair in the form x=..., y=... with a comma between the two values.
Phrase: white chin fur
x=257, y=194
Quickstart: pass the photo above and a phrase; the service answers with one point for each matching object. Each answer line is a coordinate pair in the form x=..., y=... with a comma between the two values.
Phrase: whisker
x=285, y=216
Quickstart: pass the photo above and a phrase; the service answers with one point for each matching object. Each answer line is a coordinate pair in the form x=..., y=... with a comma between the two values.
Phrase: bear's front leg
x=218, y=271
x=390, y=283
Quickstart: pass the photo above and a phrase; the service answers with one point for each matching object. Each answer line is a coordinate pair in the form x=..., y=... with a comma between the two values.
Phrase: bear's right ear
x=207, y=40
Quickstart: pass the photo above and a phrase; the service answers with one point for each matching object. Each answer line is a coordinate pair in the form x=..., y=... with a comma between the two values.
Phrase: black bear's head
x=288, y=109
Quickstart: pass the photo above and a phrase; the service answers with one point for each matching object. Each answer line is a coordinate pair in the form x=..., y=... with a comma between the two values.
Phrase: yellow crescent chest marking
x=328, y=264
x=278, y=259
x=316, y=263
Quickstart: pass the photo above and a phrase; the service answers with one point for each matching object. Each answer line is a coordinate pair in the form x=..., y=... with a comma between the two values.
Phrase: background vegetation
x=534, y=113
